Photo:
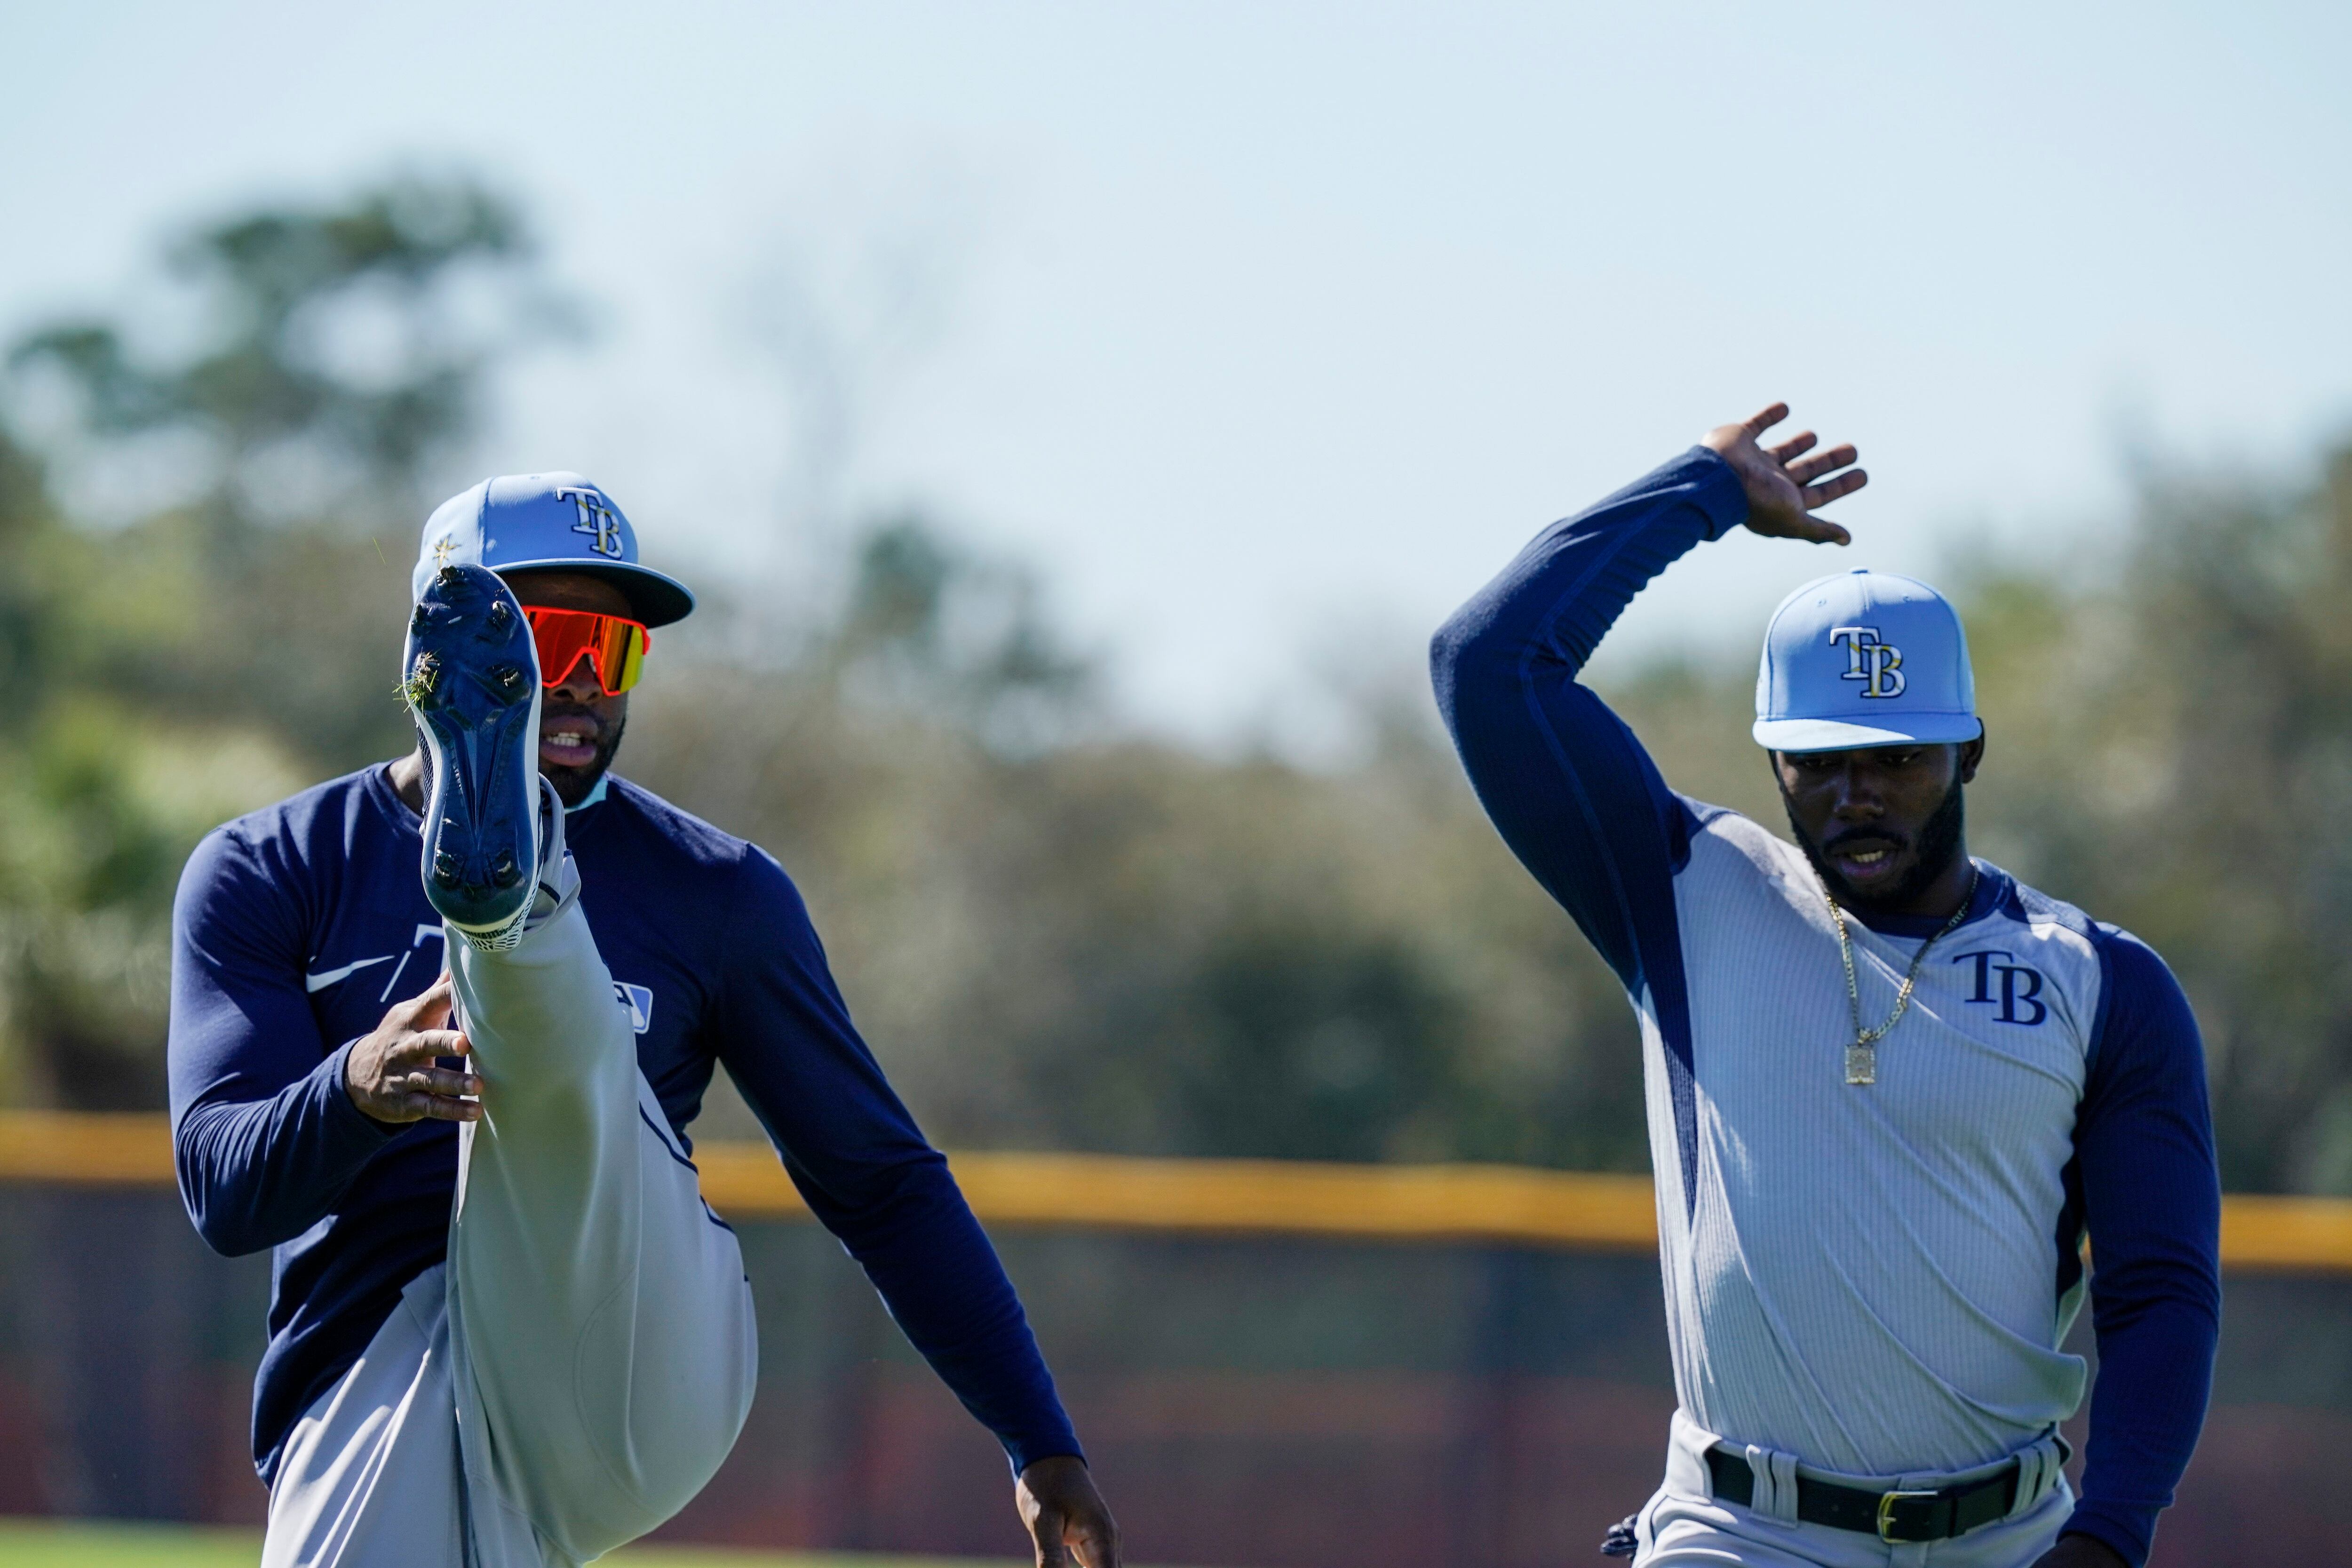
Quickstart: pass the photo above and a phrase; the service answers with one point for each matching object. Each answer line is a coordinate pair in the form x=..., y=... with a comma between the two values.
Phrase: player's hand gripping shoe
x=471, y=680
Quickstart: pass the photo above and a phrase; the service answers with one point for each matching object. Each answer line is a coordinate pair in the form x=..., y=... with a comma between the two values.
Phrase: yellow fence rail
x=1503, y=1204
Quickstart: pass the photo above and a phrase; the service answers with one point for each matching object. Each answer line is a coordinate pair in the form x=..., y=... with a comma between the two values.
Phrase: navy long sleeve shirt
x=296, y=928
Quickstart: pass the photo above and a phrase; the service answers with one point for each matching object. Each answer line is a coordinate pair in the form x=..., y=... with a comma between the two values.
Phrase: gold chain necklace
x=1862, y=1057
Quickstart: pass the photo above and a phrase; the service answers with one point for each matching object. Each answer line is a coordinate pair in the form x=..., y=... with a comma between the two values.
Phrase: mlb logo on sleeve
x=639, y=1001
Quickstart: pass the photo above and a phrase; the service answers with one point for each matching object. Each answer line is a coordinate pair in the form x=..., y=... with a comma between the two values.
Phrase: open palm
x=1784, y=486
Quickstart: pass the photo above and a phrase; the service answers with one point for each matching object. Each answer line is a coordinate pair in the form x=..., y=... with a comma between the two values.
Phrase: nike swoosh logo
x=315, y=984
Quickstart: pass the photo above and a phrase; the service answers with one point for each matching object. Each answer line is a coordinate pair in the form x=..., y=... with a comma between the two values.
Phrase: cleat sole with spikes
x=470, y=678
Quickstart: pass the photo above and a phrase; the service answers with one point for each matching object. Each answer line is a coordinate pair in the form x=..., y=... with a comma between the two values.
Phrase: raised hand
x=391, y=1076
x=1068, y=1522
x=1785, y=487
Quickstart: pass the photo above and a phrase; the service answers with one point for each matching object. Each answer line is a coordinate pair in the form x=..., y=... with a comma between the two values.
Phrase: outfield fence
x=1275, y=1364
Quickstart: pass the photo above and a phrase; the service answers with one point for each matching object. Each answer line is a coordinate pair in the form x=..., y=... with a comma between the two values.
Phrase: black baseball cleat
x=470, y=676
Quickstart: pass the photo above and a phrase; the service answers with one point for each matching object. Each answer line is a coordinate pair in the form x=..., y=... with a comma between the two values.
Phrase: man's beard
x=573, y=784
x=1940, y=845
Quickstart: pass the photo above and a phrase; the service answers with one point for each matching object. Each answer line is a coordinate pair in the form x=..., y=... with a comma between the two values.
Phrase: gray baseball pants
x=1684, y=1526
x=580, y=1366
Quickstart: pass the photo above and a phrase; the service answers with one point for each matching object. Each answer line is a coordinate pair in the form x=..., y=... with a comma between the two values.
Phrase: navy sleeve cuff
x=1715, y=490
x=1025, y=1451
x=344, y=1122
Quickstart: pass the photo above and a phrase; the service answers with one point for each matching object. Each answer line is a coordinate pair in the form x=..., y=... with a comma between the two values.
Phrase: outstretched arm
x=870, y=1176
x=1569, y=787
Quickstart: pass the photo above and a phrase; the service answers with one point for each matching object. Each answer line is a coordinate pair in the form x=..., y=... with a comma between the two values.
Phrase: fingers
x=1822, y=531
x=1096, y=1541
x=1066, y=1518
x=445, y=1082
x=1812, y=529
x=422, y=1097
x=1845, y=484
x=1046, y=1531
x=1814, y=467
x=1763, y=419
x=431, y=1091
x=439, y=1108
x=1092, y=1542
x=430, y=1007
x=422, y=1047
x=1792, y=448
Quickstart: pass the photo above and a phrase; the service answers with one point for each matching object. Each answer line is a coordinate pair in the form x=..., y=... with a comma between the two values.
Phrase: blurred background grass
x=26, y=1543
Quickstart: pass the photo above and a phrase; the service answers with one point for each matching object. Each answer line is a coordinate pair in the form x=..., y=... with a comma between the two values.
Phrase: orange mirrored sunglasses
x=614, y=646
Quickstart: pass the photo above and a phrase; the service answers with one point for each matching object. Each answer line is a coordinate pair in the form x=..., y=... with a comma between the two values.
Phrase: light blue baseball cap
x=521, y=521
x=1864, y=658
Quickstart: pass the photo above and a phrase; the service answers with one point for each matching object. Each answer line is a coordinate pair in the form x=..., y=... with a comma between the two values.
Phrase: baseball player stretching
x=1889, y=1085
x=437, y=1031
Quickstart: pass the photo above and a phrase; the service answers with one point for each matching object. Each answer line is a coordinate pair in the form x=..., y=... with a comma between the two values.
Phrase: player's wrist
x=351, y=1091
x=2079, y=1549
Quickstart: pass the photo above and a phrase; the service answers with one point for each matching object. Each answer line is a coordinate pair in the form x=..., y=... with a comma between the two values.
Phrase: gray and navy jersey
x=298, y=925
x=1877, y=1279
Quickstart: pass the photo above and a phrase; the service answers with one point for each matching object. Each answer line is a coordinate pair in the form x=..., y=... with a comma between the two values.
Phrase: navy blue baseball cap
x=1864, y=658
x=519, y=522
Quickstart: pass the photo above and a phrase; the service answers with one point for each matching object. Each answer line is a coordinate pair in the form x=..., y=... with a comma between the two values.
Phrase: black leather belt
x=1890, y=1516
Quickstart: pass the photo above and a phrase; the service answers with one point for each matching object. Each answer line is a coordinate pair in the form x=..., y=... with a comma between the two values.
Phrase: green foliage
x=170, y=673
x=1120, y=945
x=346, y=348
x=1059, y=932
x=2174, y=753
x=958, y=639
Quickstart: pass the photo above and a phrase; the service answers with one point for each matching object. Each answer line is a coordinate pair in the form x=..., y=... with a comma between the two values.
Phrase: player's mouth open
x=566, y=745
x=1865, y=859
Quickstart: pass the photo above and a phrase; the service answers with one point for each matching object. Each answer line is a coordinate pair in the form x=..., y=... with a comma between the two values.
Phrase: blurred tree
x=103, y=802
x=232, y=645
x=341, y=350
x=2179, y=748
x=958, y=638
x=1056, y=930
x=1120, y=944
x=342, y=359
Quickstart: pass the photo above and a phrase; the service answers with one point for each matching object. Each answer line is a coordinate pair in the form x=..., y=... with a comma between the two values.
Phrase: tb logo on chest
x=2018, y=993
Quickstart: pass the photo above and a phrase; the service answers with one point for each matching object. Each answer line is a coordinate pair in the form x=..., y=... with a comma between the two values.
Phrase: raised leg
x=602, y=1327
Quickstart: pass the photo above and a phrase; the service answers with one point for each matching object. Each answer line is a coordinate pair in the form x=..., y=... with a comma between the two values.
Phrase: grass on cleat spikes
x=470, y=678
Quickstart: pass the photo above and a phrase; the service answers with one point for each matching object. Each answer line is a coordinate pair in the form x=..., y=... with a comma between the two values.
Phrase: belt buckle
x=1889, y=1502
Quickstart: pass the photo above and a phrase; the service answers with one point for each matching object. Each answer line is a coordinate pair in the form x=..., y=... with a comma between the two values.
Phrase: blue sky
x=1269, y=332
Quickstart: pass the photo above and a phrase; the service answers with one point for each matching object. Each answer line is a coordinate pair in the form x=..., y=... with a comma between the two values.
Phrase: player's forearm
x=871, y=1178
x=2144, y=1142
x=259, y=1173
x=2157, y=1318
x=1567, y=589
x=947, y=1290
x=1001, y=1378
x=2145, y=1420
x=1565, y=783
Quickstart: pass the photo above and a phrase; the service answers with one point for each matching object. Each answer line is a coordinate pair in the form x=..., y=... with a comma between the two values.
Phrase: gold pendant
x=1861, y=1063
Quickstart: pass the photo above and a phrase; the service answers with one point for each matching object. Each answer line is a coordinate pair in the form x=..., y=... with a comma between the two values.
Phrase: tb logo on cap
x=596, y=520
x=1877, y=665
